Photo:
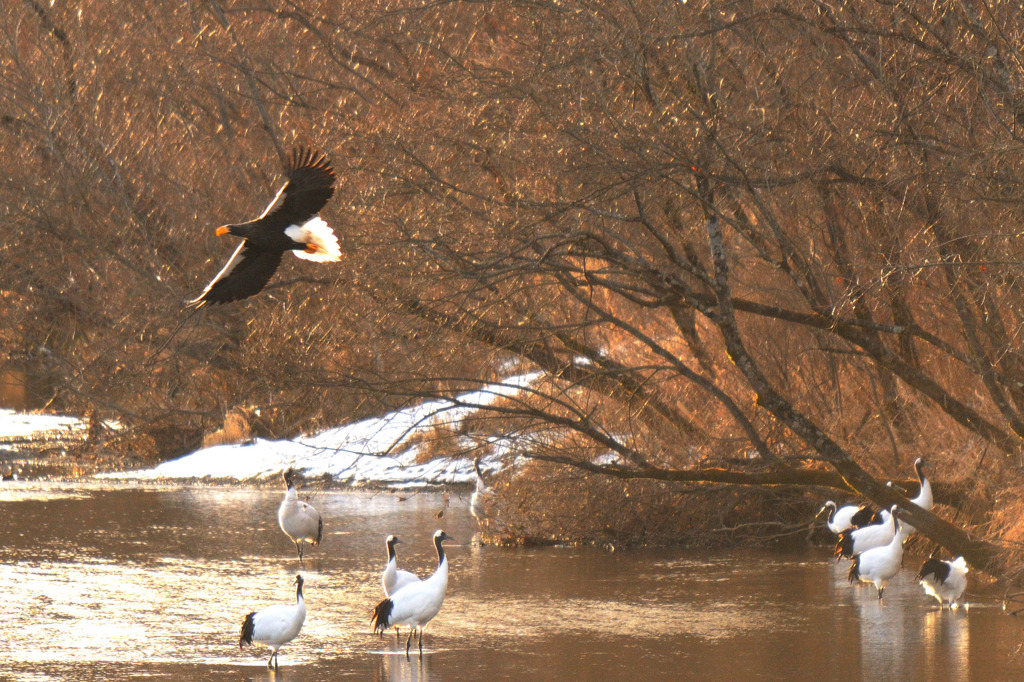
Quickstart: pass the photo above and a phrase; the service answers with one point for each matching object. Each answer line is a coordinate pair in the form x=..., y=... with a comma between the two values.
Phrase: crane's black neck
x=298, y=590
x=391, y=549
x=919, y=467
x=440, y=550
x=831, y=511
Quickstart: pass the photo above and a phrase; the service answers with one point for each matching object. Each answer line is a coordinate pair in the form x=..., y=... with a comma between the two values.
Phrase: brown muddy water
x=119, y=581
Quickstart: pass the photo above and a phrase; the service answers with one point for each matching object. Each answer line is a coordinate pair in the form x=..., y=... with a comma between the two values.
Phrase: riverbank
x=373, y=453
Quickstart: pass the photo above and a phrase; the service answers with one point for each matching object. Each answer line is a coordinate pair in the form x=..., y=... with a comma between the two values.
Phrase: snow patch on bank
x=376, y=451
x=22, y=425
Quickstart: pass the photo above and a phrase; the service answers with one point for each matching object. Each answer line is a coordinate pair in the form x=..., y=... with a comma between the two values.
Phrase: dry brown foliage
x=762, y=237
x=236, y=429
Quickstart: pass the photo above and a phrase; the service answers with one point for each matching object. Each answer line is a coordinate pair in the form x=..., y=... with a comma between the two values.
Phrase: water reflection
x=121, y=582
x=885, y=630
x=946, y=642
x=905, y=621
x=395, y=668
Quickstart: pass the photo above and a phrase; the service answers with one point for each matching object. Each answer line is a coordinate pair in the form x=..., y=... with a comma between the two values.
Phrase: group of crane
x=408, y=600
x=291, y=223
x=873, y=540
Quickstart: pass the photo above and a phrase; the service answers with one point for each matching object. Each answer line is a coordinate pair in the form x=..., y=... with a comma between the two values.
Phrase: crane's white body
x=417, y=603
x=839, y=518
x=879, y=565
x=948, y=588
x=279, y=624
x=870, y=537
x=275, y=625
x=299, y=520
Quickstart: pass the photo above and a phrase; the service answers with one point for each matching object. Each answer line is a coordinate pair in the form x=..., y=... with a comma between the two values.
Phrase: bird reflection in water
x=946, y=639
x=400, y=669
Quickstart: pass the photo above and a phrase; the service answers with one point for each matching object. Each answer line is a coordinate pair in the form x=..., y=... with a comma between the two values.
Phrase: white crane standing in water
x=944, y=580
x=417, y=603
x=880, y=564
x=275, y=625
x=394, y=579
x=299, y=521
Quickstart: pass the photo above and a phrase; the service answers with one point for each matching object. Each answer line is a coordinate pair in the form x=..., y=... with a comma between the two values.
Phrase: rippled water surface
x=112, y=582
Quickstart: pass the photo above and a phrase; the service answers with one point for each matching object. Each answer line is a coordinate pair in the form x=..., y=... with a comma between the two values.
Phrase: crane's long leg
x=421, y=641
x=408, y=642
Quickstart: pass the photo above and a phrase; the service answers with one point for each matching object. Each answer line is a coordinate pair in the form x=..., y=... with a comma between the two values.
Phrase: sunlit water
x=118, y=582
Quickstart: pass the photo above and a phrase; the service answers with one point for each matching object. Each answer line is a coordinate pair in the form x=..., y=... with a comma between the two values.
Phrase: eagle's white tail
x=321, y=244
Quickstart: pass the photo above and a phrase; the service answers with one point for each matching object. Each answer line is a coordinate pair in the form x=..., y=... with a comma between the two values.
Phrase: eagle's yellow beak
x=223, y=230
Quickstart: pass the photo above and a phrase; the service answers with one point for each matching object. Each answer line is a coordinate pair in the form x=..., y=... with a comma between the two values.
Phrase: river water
x=118, y=581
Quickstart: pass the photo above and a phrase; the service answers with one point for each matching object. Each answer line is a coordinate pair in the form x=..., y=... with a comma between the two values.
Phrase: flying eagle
x=290, y=223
